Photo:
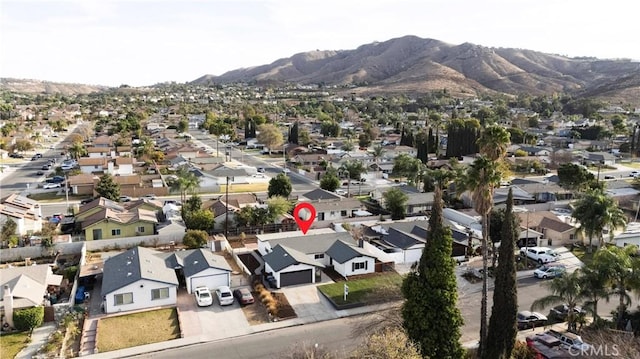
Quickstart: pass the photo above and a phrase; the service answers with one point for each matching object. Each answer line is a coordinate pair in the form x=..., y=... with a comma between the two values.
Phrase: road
x=24, y=175
x=337, y=335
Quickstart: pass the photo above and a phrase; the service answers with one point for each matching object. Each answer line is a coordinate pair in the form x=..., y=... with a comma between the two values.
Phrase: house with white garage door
x=199, y=267
x=290, y=267
x=143, y=278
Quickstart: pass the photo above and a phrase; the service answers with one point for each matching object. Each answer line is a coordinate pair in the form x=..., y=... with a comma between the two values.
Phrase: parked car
x=51, y=185
x=86, y=200
x=341, y=192
x=527, y=319
x=545, y=271
x=39, y=173
x=286, y=170
x=38, y=155
x=66, y=167
x=562, y=311
x=125, y=199
x=203, y=296
x=539, y=254
x=46, y=167
x=225, y=297
x=261, y=169
x=16, y=155
x=55, y=179
x=634, y=174
x=244, y=296
x=574, y=341
x=149, y=196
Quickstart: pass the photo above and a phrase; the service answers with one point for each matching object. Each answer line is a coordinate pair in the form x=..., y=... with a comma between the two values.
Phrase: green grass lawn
x=381, y=288
x=581, y=254
x=54, y=197
x=12, y=344
x=136, y=329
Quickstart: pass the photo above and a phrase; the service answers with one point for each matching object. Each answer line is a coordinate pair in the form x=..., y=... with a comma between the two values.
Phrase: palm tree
x=621, y=267
x=593, y=287
x=482, y=178
x=566, y=289
x=377, y=153
x=77, y=150
x=36, y=137
x=186, y=182
x=596, y=211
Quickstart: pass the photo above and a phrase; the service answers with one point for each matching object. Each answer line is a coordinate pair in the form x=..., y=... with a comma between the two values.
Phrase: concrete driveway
x=210, y=323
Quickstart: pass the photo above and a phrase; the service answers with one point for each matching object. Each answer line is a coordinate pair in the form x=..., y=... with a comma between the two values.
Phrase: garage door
x=210, y=281
x=293, y=278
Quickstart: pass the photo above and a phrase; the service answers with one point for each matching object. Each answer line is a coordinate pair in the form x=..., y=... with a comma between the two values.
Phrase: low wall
x=20, y=253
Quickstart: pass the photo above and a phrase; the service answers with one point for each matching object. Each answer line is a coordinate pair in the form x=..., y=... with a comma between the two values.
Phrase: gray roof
x=320, y=194
x=133, y=265
x=282, y=257
x=194, y=261
x=402, y=239
x=312, y=243
x=342, y=252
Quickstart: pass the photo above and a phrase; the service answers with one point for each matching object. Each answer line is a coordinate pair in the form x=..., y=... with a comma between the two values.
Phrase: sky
x=144, y=42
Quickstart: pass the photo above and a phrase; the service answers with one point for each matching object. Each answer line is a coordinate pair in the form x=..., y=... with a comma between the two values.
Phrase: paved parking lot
x=210, y=323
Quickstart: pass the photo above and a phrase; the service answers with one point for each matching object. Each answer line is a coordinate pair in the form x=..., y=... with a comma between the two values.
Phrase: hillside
x=413, y=64
x=36, y=86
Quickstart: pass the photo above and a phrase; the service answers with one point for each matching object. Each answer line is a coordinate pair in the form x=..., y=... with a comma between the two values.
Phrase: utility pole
x=226, y=214
x=66, y=191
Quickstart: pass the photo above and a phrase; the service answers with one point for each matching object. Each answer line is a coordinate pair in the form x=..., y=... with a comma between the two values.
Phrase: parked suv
x=574, y=341
x=546, y=271
x=539, y=254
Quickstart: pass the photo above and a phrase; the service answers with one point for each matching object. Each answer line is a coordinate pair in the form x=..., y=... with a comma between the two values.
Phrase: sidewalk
x=38, y=339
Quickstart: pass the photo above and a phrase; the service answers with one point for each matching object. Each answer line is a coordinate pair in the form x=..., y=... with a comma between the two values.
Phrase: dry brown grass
x=136, y=329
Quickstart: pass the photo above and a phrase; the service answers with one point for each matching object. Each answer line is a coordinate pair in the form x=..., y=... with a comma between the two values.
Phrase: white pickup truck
x=539, y=254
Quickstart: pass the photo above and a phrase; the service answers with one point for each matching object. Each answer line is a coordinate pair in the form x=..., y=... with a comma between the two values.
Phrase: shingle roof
x=194, y=261
x=135, y=264
x=320, y=194
x=342, y=252
x=282, y=257
x=311, y=243
x=28, y=284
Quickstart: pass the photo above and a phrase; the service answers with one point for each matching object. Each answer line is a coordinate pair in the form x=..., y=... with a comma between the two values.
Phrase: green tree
x=364, y=140
x=293, y=133
x=395, y=201
x=193, y=204
x=270, y=136
x=355, y=169
x=407, y=166
x=595, y=211
x=621, y=267
x=185, y=182
x=108, y=188
x=430, y=314
x=330, y=128
x=23, y=145
x=503, y=329
x=330, y=181
x=195, y=239
x=278, y=206
x=594, y=286
x=279, y=185
x=304, y=139
x=28, y=318
x=575, y=177
x=183, y=125
x=77, y=150
x=202, y=220
x=565, y=289
x=8, y=229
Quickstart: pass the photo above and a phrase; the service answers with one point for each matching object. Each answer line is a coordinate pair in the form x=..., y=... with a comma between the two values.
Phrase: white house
x=350, y=260
x=291, y=267
x=89, y=165
x=201, y=268
x=25, y=212
x=137, y=279
x=121, y=166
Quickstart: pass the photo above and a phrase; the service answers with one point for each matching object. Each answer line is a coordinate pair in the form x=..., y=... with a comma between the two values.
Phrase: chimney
x=8, y=306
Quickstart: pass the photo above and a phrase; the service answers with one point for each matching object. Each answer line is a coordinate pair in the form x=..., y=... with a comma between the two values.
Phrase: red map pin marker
x=304, y=223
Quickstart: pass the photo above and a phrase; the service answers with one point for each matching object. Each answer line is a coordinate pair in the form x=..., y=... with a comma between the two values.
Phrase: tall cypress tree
x=430, y=313
x=503, y=329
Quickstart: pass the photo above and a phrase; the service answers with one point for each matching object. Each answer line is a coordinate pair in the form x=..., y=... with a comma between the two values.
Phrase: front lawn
x=582, y=254
x=12, y=344
x=372, y=290
x=136, y=329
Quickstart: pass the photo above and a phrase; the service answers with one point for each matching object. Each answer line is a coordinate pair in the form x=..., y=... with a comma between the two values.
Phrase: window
x=122, y=299
x=359, y=265
x=343, y=213
x=319, y=256
x=160, y=293
x=115, y=232
x=140, y=230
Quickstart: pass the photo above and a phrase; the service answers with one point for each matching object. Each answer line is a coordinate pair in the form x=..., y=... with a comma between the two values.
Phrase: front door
x=97, y=234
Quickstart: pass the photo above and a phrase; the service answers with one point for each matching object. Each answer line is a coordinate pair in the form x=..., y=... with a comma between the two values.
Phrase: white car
x=225, y=297
x=203, y=297
x=341, y=192
x=539, y=254
x=51, y=185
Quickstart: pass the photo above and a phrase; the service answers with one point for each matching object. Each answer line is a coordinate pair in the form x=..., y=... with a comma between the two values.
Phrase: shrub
x=265, y=296
x=258, y=287
x=195, y=238
x=272, y=307
x=70, y=273
x=29, y=318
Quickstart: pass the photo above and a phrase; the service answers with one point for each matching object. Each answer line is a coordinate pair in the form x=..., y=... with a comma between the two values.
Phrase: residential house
x=350, y=260
x=599, y=158
x=99, y=152
x=310, y=254
x=332, y=207
x=137, y=279
x=121, y=166
x=417, y=202
x=91, y=165
x=129, y=185
x=199, y=267
x=549, y=226
x=108, y=224
x=103, y=141
x=25, y=212
x=630, y=236
x=25, y=287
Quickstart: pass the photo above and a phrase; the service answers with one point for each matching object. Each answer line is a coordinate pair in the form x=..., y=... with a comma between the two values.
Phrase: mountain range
x=411, y=64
